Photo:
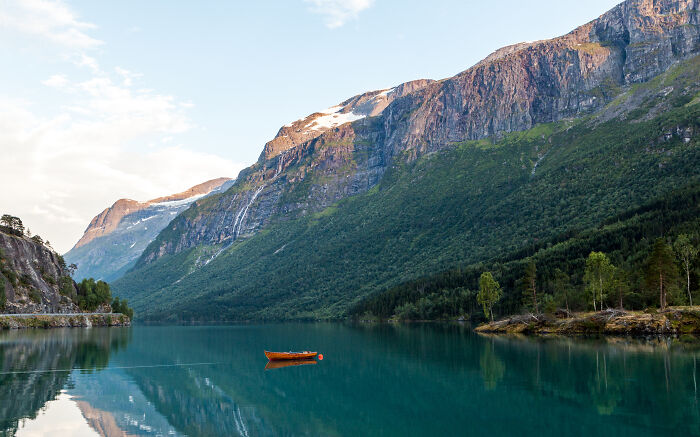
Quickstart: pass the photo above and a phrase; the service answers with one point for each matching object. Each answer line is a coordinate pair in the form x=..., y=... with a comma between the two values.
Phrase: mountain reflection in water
x=417, y=379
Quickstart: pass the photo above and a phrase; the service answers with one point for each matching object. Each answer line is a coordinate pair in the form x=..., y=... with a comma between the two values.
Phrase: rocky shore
x=672, y=321
x=21, y=321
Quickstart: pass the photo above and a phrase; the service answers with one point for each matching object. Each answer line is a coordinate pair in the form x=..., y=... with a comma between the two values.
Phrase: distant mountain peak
x=108, y=220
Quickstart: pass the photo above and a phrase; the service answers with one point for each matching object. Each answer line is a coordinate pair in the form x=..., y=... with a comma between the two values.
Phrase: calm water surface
x=421, y=379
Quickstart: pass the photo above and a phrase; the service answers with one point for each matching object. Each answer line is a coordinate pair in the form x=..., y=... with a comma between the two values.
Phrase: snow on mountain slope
x=117, y=236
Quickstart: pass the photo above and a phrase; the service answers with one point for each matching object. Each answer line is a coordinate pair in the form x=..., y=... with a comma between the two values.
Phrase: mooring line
x=106, y=368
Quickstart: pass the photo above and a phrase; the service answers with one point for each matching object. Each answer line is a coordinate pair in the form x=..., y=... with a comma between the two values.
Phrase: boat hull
x=277, y=356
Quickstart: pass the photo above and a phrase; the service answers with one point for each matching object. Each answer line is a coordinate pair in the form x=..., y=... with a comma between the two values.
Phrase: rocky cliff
x=33, y=278
x=346, y=149
x=118, y=235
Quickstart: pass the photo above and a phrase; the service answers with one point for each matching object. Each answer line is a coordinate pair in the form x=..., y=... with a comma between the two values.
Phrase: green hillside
x=626, y=239
x=472, y=201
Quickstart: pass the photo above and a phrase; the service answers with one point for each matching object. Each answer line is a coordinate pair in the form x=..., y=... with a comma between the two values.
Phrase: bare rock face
x=522, y=85
x=345, y=150
x=369, y=104
x=32, y=277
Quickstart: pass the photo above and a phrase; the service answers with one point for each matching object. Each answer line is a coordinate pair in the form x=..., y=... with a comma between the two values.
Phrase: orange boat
x=275, y=356
x=278, y=364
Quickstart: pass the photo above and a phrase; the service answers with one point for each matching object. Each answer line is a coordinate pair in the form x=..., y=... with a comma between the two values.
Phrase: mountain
x=536, y=139
x=118, y=235
x=33, y=278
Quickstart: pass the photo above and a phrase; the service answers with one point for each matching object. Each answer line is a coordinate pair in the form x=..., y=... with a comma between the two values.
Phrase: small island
x=604, y=284
x=37, y=289
x=672, y=321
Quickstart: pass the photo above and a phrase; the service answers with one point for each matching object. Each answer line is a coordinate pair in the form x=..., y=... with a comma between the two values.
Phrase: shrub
x=10, y=275
x=66, y=287
x=35, y=295
x=25, y=280
x=62, y=262
x=49, y=279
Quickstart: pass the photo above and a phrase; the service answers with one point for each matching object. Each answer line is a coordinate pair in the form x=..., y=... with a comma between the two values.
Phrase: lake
x=387, y=380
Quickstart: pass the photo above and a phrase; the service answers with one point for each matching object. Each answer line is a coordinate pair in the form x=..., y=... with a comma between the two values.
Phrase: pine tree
x=661, y=270
x=562, y=287
x=6, y=220
x=620, y=285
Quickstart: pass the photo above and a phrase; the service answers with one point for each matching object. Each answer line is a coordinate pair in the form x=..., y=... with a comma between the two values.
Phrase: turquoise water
x=418, y=379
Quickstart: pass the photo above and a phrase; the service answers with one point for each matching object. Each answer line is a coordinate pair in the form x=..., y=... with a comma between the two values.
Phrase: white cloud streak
x=107, y=139
x=338, y=12
x=108, y=144
x=51, y=20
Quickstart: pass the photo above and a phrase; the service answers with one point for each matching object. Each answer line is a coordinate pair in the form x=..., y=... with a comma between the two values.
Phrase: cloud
x=88, y=141
x=51, y=20
x=108, y=140
x=338, y=12
x=56, y=81
x=82, y=60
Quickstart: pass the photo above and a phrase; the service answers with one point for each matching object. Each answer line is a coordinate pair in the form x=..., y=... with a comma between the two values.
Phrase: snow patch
x=332, y=109
x=332, y=120
x=176, y=203
x=386, y=92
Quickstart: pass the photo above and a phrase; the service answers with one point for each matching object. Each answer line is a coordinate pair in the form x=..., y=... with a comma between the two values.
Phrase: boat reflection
x=286, y=363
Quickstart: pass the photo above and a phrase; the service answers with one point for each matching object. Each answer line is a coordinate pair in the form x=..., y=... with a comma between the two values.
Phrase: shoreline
x=675, y=321
x=47, y=321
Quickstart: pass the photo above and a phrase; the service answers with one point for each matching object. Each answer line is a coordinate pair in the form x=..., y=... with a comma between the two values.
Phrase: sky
x=102, y=100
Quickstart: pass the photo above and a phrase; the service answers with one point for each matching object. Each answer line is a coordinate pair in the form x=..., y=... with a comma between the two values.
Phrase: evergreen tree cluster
x=121, y=306
x=92, y=294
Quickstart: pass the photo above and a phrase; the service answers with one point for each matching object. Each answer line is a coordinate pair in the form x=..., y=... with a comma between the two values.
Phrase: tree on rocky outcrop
x=686, y=253
x=38, y=240
x=18, y=225
x=598, y=275
x=489, y=293
x=661, y=271
x=13, y=223
x=529, y=283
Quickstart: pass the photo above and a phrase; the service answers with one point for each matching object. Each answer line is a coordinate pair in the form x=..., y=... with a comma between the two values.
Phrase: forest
x=643, y=258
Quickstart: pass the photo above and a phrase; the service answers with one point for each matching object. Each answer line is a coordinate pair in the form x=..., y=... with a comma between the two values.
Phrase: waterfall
x=243, y=212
